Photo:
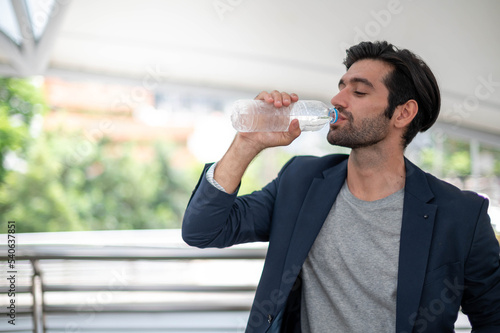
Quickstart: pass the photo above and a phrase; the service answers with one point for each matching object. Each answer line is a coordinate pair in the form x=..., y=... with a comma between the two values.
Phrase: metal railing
x=84, y=263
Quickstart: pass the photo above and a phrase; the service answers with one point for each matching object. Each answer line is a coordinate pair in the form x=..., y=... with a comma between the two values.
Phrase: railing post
x=38, y=303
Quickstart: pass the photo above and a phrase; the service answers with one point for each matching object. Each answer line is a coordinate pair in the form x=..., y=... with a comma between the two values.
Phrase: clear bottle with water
x=249, y=115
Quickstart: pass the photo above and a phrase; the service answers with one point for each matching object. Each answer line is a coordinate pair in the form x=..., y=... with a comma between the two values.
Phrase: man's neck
x=375, y=174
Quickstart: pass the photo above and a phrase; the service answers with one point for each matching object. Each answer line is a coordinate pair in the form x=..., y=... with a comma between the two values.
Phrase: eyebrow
x=358, y=80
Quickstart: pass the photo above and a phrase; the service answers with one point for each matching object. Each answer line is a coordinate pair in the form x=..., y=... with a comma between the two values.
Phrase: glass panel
x=8, y=22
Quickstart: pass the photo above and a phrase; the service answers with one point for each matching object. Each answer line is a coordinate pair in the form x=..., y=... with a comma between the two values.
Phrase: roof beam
x=48, y=38
x=25, y=27
x=32, y=57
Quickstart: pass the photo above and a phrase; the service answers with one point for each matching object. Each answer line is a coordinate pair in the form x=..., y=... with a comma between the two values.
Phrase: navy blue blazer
x=448, y=258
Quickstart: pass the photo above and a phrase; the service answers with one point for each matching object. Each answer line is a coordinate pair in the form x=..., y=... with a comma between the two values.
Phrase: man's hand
x=258, y=141
x=246, y=146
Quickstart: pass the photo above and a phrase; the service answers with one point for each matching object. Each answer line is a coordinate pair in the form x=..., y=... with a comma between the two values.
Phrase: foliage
x=108, y=188
x=455, y=158
x=459, y=164
x=20, y=102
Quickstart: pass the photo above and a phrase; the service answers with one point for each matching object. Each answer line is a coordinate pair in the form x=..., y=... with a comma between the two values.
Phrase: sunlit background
x=109, y=109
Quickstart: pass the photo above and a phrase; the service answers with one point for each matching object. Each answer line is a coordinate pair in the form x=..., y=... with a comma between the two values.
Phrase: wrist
x=246, y=148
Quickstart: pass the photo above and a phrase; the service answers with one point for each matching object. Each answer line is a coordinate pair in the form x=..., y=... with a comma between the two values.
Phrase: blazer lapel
x=416, y=235
x=315, y=208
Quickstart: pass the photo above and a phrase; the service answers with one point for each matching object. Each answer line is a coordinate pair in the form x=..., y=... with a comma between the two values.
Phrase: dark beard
x=369, y=132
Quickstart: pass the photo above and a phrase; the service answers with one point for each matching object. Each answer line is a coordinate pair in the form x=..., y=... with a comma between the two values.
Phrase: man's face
x=361, y=102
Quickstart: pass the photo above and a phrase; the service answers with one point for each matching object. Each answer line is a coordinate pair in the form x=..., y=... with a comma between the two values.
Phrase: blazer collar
x=416, y=183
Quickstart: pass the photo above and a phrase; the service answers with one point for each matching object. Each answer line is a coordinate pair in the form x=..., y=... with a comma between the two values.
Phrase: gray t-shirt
x=350, y=274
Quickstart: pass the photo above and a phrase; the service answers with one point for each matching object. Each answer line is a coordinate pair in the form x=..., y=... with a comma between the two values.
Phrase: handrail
x=91, y=252
x=163, y=288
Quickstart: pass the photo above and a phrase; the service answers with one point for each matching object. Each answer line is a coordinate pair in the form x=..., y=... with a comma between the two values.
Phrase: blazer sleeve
x=214, y=218
x=481, y=298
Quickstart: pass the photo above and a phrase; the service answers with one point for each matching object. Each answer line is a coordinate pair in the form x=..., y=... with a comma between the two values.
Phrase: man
x=361, y=243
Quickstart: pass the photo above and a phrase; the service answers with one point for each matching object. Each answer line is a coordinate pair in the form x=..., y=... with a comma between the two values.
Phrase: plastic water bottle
x=249, y=115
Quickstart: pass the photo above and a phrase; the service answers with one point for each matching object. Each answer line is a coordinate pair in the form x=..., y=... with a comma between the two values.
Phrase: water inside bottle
x=312, y=123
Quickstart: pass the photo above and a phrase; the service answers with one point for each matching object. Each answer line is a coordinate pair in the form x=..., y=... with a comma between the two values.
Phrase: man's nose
x=339, y=100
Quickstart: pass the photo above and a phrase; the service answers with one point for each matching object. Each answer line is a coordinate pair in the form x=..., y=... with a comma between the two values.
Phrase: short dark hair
x=411, y=78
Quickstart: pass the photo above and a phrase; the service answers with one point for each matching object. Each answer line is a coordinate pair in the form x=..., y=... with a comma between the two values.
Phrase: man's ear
x=404, y=113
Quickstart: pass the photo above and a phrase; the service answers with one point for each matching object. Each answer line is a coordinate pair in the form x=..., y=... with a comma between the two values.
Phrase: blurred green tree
x=61, y=187
x=20, y=102
x=101, y=190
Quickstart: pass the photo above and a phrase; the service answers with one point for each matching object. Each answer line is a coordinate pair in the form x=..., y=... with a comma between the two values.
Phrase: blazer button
x=269, y=318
